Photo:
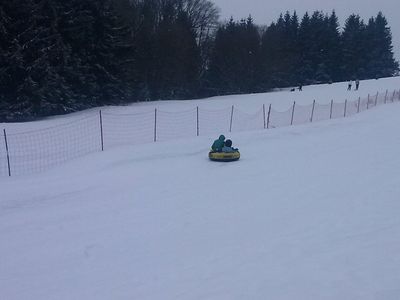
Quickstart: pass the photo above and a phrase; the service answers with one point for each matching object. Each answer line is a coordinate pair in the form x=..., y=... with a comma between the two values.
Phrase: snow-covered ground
x=38, y=146
x=309, y=212
x=280, y=100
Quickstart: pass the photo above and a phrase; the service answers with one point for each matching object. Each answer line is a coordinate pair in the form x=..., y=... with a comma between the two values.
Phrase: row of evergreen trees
x=61, y=56
x=292, y=52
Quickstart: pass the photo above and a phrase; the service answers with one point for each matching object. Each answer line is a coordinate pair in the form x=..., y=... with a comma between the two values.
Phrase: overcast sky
x=266, y=11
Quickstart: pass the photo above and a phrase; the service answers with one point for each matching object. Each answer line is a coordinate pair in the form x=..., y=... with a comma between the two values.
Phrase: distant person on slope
x=228, y=147
x=349, y=85
x=357, y=84
x=218, y=144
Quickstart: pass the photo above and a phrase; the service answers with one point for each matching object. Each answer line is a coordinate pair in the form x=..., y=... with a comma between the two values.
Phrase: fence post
x=330, y=115
x=393, y=95
x=264, y=115
x=8, y=155
x=101, y=131
x=345, y=108
x=358, y=106
x=155, y=124
x=230, y=126
x=376, y=98
x=197, y=115
x=399, y=94
x=312, y=111
x=385, y=96
x=269, y=115
x=368, y=102
x=294, y=104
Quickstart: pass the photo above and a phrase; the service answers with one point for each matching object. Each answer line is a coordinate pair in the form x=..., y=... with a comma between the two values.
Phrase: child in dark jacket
x=218, y=144
x=228, y=147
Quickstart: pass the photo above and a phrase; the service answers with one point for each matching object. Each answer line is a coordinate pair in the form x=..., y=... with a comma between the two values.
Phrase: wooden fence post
x=386, y=96
x=294, y=105
x=264, y=115
x=345, y=108
x=358, y=106
x=155, y=124
x=8, y=154
x=330, y=116
x=376, y=98
x=368, y=102
x=101, y=131
x=269, y=115
x=312, y=111
x=197, y=115
x=230, y=126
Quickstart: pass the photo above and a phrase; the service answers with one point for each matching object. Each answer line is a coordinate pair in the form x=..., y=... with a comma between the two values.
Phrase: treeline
x=296, y=52
x=62, y=56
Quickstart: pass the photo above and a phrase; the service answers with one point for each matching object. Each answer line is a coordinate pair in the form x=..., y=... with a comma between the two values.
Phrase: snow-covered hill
x=309, y=212
x=280, y=100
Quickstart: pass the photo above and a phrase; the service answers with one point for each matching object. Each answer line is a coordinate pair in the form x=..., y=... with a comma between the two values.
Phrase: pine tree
x=305, y=72
x=249, y=38
x=34, y=56
x=281, y=53
x=318, y=47
x=333, y=48
x=235, y=62
x=354, y=50
x=380, y=59
x=178, y=56
x=145, y=41
x=221, y=74
x=100, y=48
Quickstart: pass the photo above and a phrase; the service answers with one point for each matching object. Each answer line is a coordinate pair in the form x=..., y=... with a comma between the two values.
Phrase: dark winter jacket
x=227, y=149
x=218, y=144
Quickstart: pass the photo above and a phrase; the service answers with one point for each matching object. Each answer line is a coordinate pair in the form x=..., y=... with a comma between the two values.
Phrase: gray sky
x=266, y=11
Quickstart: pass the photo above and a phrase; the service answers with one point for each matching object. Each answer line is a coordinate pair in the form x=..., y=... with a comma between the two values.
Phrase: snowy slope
x=309, y=212
x=280, y=100
x=37, y=146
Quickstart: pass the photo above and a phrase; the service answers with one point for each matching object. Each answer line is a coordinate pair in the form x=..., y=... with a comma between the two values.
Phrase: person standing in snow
x=218, y=144
x=357, y=84
x=349, y=85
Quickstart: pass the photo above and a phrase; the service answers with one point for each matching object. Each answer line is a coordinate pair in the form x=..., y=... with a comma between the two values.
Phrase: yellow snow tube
x=224, y=156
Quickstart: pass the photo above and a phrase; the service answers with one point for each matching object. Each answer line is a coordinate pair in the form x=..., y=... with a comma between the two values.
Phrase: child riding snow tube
x=225, y=153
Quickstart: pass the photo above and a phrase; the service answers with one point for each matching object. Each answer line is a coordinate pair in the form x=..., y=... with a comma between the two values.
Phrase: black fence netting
x=127, y=129
x=37, y=150
x=176, y=125
x=246, y=121
x=214, y=122
x=302, y=114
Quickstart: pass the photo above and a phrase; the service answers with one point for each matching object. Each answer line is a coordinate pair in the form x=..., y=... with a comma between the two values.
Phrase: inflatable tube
x=224, y=156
